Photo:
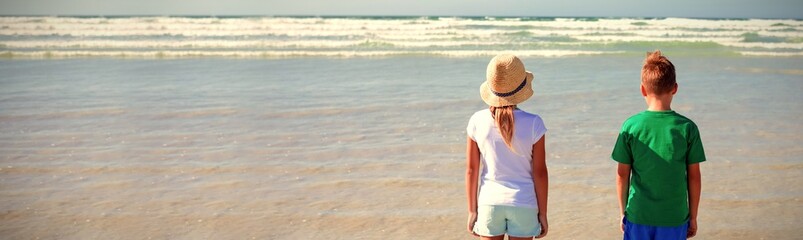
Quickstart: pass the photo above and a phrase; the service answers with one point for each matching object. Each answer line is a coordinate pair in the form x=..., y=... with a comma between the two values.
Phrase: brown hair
x=658, y=73
x=504, y=121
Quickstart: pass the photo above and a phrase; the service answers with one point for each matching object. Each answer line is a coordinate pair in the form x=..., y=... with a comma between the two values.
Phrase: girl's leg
x=519, y=238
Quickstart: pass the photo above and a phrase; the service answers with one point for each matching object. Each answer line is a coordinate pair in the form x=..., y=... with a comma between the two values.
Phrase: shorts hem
x=489, y=235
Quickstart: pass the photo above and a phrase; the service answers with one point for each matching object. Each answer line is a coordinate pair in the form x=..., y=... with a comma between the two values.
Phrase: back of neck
x=659, y=103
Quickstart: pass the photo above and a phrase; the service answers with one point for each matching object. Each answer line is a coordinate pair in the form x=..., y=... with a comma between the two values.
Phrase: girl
x=509, y=143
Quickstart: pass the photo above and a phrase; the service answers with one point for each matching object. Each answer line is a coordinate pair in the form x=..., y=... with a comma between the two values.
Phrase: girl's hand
x=472, y=218
x=544, y=225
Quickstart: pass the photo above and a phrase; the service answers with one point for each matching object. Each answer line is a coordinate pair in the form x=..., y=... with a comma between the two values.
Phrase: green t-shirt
x=658, y=145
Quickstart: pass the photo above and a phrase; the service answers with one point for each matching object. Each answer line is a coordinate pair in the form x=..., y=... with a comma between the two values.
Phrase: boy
x=659, y=151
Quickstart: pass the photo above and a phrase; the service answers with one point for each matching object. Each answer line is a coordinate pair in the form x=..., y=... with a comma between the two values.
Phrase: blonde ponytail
x=504, y=121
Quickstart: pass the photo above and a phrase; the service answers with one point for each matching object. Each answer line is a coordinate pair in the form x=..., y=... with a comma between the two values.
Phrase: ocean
x=354, y=127
x=279, y=37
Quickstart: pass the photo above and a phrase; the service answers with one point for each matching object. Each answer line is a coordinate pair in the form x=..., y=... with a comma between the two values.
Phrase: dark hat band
x=508, y=94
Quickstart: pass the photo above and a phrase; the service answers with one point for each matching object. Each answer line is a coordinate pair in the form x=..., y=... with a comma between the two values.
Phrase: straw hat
x=507, y=83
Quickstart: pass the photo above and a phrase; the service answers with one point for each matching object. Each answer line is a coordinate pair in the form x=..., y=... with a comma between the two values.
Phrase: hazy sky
x=611, y=8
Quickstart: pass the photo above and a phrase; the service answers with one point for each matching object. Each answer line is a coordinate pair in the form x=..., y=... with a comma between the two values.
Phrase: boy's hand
x=472, y=218
x=544, y=225
x=692, y=228
x=622, y=223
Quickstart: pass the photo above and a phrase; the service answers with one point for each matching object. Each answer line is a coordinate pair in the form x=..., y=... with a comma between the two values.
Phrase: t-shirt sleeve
x=538, y=129
x=621, y=150
x=696, y=153
x=471, y=128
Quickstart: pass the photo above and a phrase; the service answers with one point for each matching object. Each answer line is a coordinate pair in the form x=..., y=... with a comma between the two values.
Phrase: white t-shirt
x=506, y=177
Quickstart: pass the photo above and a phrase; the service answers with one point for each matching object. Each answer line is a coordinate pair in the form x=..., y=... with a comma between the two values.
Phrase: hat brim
x=492, y=100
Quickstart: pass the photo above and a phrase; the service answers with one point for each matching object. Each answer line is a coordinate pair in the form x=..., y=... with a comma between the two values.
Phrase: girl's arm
x=541, y=183
x=622, y=190
x=472, y=171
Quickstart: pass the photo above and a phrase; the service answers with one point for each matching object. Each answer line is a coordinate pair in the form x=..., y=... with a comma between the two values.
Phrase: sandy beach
x=89, y=152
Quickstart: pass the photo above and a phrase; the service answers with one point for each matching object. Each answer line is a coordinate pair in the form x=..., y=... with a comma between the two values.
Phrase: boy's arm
x=695, y=187
x=472, y=171
x=622, y=190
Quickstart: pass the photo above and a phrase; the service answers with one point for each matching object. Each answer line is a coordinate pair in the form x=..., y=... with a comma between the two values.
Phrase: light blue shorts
x=493, y=220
